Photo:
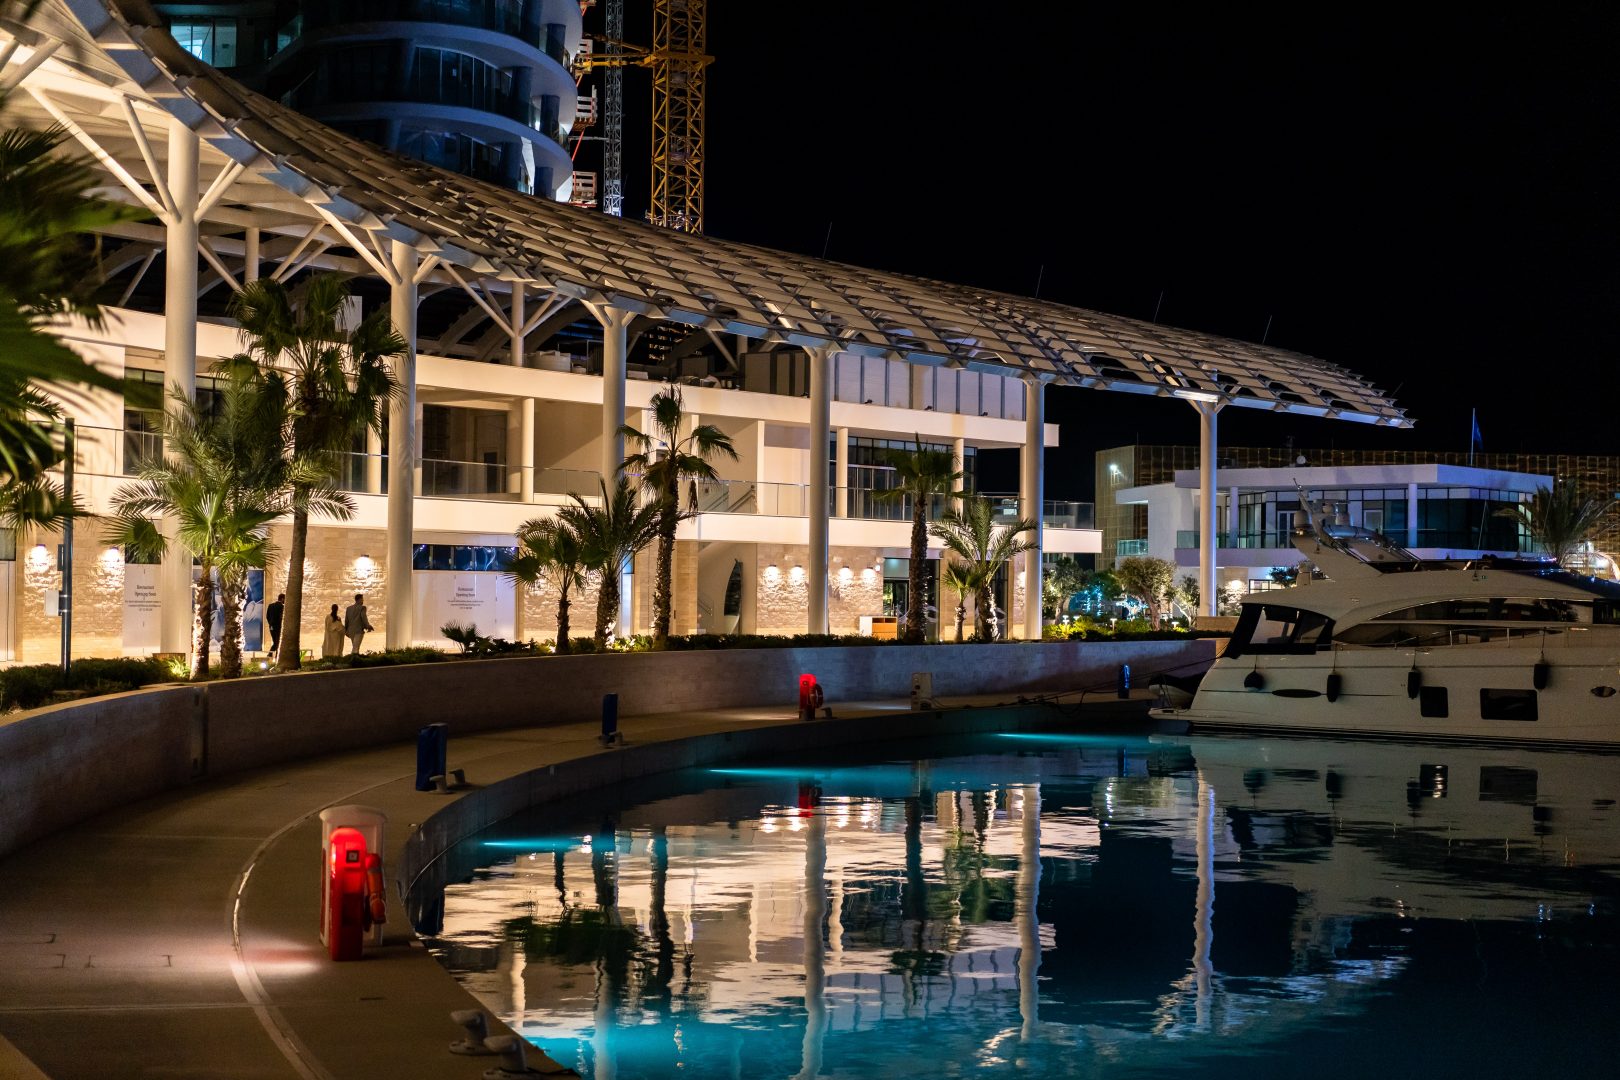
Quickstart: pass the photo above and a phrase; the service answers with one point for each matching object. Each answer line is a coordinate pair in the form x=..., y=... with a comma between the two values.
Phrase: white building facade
x=1435, y=511
x=534, y=332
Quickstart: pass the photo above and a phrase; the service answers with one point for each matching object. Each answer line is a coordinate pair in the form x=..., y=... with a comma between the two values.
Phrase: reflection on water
x=1051, y=906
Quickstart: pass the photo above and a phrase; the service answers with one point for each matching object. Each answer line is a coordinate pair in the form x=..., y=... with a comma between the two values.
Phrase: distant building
x=1125, y=522
x=483, y=89
x=1436, y=511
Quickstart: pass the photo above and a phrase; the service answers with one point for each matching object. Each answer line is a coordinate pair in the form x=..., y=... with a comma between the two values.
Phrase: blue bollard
x=432, y=754
x=1124, y=680
x=610, y=719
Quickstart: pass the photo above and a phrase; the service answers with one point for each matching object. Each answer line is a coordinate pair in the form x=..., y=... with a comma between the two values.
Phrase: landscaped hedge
x=34, y=685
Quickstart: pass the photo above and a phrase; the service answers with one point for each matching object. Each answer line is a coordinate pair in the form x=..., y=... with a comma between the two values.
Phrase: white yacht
x=1512, y=652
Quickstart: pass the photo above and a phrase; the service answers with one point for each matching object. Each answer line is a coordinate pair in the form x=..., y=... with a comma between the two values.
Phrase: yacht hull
x=1487, y=693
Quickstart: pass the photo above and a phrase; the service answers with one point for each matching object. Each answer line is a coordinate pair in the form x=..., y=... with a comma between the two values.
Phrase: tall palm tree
x=964, y=578
x=226, y=481
x=924, y=474
x=610, y=534
x=973, y=537
x=666, y=458
x=337, y=385
x=550, y=549
x=1559, y=518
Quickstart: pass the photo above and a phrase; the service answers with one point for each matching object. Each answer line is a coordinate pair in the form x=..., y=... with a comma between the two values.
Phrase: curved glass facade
x=362, y=65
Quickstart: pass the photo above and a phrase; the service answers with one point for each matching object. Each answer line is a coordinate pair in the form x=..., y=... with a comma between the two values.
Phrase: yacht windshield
x=1279, y=628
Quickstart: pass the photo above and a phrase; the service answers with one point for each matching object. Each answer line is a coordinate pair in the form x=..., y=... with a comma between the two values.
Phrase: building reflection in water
x=1026, y=912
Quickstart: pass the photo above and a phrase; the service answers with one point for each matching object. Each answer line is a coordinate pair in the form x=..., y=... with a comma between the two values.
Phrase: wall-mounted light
x=868, y=575
x=846, y=575
x=364, y=565
x=39, y=556
x=796, y=575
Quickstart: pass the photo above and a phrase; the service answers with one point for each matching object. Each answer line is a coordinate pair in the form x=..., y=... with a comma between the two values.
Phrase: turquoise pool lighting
x=1061, y=906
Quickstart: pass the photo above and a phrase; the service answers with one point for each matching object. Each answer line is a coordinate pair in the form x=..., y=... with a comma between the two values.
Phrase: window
x=1276, y=628
x=1433, y=702
x=463, y=557
x=1507, y=704
x=8, y=545
x=213, y=41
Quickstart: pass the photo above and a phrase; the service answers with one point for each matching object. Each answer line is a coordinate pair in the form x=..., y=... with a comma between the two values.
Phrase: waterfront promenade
x=177, y=936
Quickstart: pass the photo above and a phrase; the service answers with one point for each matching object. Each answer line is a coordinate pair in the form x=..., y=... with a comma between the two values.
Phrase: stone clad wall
x=62, y=764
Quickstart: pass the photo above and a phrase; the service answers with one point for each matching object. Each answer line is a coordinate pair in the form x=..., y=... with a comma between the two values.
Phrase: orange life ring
x=376, y=893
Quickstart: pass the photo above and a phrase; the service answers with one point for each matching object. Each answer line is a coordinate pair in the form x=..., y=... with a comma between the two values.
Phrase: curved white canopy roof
x=695, y=280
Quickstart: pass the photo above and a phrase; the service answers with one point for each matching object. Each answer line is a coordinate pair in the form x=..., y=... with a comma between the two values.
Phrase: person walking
x=355, y=623
x=332, y=640
x=272, y=618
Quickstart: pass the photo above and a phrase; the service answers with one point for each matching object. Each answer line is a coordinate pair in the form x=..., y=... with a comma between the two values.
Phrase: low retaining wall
x=62, y=764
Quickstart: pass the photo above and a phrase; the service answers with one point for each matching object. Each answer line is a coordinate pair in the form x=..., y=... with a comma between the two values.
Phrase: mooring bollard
x=610, y=719
x=432, y=754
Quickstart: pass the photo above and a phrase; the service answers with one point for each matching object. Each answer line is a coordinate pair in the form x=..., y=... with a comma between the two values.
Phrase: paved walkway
x=177, y=937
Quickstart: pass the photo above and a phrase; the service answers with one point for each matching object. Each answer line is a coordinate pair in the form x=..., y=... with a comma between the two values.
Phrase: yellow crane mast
x=677, y=61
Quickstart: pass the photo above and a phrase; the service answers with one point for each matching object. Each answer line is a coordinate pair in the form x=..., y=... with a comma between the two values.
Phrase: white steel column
x=1031, y=497
x=374, y=462
x=615, y=347
x=526, y=481
x=250, y=255
x=959, y=452
x=179, y=358
x=1411, y=515
x=820, y=553
x=841, y=471
x=1207, y=537
x=401, y=596
x=516, y=319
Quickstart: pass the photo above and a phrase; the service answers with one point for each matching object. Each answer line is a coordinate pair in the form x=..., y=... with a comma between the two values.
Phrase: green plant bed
x=34, y=685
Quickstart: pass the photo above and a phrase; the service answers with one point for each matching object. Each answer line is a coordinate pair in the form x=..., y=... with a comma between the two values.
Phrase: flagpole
x=1473, y=427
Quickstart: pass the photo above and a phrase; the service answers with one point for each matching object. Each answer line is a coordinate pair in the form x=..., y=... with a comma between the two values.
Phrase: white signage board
x=143, y=609
x=486, y=600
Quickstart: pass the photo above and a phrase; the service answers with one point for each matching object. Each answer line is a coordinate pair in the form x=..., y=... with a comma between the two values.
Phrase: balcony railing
x=1125, y=549
x=117, y=452
x=1460, y=539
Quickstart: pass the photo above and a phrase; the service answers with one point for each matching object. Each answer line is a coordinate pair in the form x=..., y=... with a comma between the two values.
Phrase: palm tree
x=923, y=474
x=973, y=537
x=225, y=483
x=549, y=548
x=47, y=268
x=1559, y=518
x=964, y=579
x=610, y=534
x=337, y=385
x=664, y=460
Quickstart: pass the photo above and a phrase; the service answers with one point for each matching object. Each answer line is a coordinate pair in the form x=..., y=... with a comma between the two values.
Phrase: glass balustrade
x=120, y=452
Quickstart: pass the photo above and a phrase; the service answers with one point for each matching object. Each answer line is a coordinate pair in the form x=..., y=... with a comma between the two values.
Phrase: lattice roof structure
x=374, y=196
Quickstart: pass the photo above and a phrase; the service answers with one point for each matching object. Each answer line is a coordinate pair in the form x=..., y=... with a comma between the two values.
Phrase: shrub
x=32, y=686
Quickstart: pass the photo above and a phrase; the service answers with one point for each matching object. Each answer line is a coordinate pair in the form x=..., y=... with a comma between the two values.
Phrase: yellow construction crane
x=677, y=61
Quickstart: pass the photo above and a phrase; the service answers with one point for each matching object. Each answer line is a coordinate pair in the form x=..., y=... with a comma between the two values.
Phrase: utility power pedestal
x=922, y=690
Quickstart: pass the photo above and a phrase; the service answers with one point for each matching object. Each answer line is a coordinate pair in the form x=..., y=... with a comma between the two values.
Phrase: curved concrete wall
x=61, y=764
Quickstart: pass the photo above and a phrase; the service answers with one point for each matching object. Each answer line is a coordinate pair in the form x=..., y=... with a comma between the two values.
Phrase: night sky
x=1427, y=197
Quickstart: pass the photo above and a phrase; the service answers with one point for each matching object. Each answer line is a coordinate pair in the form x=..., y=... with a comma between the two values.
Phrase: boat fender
x=1254, y=680
x=1414, y=682
x=1335, y=684
x=1539, y=674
